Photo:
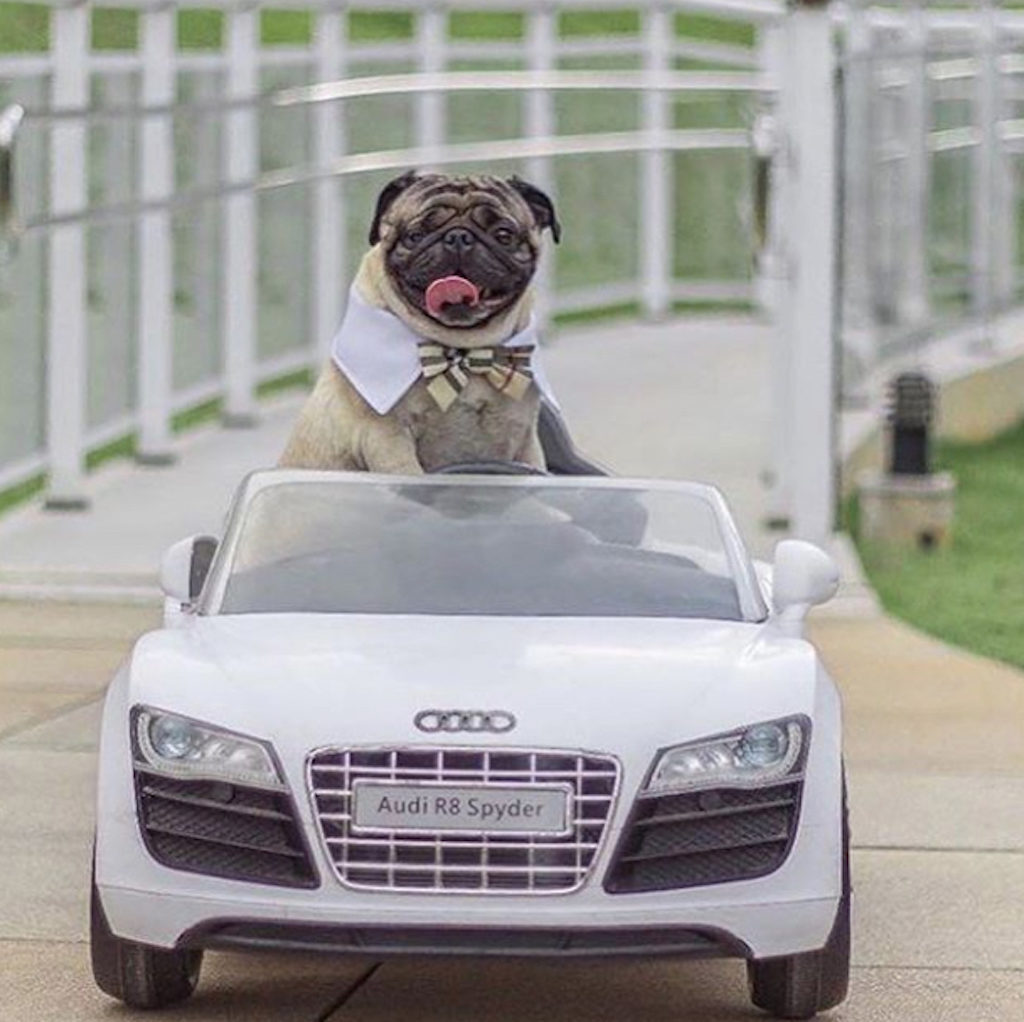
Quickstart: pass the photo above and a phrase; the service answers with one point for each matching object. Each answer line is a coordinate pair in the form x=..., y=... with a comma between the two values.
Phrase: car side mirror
x=802, y=577
x=184, y=568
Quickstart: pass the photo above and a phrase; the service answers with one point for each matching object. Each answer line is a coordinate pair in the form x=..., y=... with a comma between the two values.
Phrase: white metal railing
x=660, y=138
x=183, y=155
x=69, y=114
x=160, y=195
x=932, y=138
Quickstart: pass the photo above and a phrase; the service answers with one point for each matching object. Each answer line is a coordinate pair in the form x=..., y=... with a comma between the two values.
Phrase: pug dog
x=435, y=360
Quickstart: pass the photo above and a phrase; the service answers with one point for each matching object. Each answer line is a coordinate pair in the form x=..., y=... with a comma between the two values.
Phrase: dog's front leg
x=531, y=452
x=388, y=447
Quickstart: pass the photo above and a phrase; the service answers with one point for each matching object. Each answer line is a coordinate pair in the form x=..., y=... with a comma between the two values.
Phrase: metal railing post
x=859, y=330
x=1004, y=215
x=812, y=103
x=207, y=223
x=112, y=252
x=432, y=45
x=329, y=142
x=241, y=165
x=984, y=209
x=656, y=178
x=10, y=121
x=66, y=364
x=769, y=179
x=539, y=121
x=155, y=331
x=917, y=98
x=784, y=200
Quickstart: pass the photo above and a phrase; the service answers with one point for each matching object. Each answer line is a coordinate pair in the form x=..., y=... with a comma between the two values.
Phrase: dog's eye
x=414, y=237
x=504, y=236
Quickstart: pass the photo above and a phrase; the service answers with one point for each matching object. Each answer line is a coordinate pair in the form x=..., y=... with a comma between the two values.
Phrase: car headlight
x=183, y=748
x=749, y=758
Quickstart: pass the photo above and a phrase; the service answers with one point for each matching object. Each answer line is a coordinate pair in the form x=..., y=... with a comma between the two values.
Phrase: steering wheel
x=489, y=468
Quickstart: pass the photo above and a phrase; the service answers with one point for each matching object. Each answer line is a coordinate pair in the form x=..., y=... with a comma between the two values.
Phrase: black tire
x=799, y=986
x=139, y=975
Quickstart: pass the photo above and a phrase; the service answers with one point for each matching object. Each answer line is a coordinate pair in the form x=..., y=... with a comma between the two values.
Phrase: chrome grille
x=457, y=863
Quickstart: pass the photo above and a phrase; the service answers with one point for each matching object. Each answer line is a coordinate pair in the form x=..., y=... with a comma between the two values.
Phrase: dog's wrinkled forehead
x=412, y=194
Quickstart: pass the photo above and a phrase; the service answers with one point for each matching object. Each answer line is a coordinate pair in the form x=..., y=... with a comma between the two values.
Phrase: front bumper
x=791, y=910
x=469, y=941
x=787, y=911
x=730, y=929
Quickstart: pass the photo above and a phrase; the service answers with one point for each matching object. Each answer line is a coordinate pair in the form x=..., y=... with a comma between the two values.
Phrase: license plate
x=462, y=809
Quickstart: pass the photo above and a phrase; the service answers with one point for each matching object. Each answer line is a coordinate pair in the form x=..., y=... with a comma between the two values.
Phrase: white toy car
x=466, y=714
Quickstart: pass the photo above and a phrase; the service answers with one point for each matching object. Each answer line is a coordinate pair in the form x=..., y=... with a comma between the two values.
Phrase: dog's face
x=461, y=249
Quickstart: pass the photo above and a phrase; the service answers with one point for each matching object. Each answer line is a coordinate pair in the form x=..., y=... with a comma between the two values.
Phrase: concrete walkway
x=675, y=400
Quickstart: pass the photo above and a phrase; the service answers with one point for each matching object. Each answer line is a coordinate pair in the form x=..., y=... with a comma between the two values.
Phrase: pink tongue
x=451, y=291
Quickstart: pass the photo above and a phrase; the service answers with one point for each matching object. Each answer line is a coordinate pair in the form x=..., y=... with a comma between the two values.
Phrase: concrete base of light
x=907, y=512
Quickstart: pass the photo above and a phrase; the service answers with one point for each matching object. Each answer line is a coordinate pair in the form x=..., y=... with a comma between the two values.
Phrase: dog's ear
x=540, y=204
x=388, y=194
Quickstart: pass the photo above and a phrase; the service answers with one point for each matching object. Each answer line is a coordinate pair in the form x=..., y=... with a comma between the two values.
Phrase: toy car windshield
x=459, y=546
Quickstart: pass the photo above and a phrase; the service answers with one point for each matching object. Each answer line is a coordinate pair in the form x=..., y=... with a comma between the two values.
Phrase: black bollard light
x=907, y=505
x=911, y=415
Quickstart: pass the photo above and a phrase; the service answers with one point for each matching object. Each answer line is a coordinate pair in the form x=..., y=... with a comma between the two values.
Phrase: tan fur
x=337, y=429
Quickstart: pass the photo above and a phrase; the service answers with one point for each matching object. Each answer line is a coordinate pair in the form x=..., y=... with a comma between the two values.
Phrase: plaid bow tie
x=447, y=370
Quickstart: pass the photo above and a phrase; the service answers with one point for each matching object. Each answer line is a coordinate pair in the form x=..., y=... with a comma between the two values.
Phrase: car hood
x=322, y=679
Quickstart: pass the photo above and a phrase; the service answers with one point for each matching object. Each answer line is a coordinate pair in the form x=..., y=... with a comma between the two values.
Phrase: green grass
x=486, y=25
x=625, y=22
x=283, y=28
x=700, y=26
x=200, y=30
x=15, y=495
x=114, y=29
x=25, y=26
x=365, y=26
x=971, y=594
x=124, y=446
x=199, y=415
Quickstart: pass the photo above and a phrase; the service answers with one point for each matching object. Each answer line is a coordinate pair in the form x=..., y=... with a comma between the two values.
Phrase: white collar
x=380, y=354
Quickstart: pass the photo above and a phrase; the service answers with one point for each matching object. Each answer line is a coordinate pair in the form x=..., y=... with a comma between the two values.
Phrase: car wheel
x=799, y=986
x=139, y=975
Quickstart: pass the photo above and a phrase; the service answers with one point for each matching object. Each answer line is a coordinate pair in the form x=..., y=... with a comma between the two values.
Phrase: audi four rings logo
x=497, y=721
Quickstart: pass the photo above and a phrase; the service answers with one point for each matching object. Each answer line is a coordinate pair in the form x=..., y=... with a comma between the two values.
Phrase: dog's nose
x=459, y=238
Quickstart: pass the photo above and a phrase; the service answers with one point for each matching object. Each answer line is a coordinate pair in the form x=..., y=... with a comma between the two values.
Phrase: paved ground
x=934, y=747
